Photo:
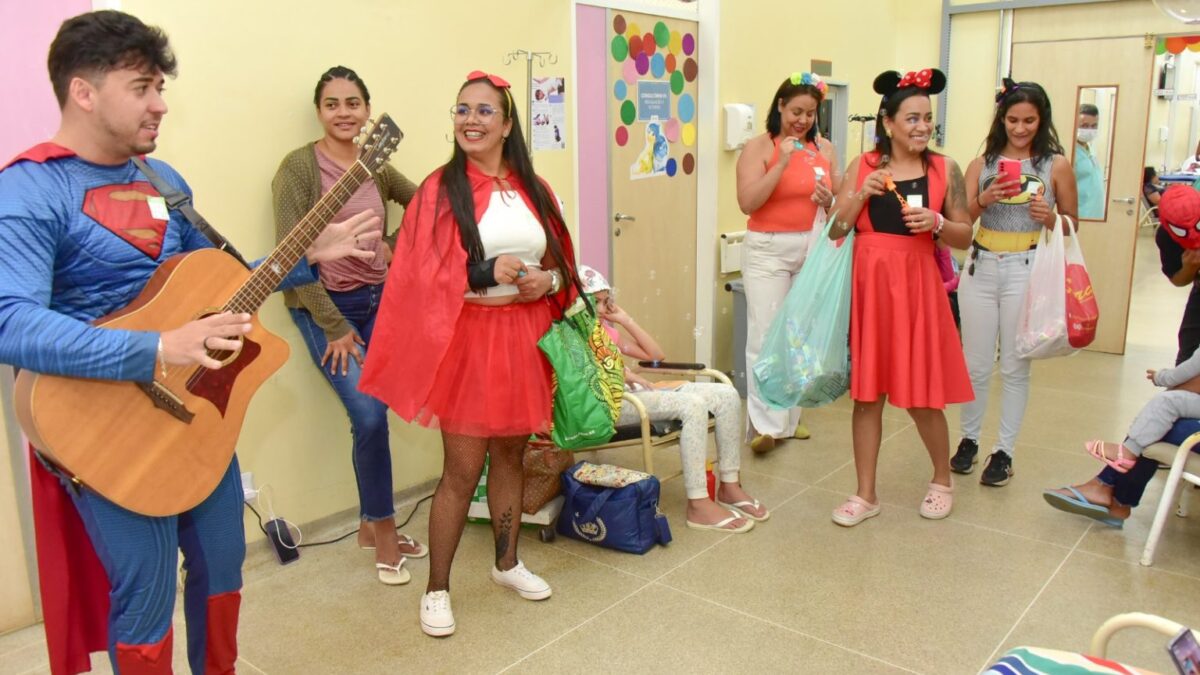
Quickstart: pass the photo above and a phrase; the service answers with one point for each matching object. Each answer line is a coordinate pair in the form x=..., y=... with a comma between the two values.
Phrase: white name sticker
x=158, y=208
x=915, y=201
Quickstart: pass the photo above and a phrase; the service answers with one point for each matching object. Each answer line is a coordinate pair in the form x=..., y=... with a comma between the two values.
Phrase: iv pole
x=542, y=59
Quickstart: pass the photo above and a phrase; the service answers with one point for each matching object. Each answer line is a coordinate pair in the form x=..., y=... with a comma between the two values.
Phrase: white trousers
x=770, y=263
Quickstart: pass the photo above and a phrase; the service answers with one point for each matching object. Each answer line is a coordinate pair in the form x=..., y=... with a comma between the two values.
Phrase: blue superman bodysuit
x=78, y=241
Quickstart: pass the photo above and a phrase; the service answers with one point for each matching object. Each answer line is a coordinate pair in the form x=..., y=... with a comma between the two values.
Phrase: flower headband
x=1007, y=87
x=811, y=79
x=497, y=82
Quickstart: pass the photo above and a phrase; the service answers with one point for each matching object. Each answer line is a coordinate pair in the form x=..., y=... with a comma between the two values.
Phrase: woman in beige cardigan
x=337, y=315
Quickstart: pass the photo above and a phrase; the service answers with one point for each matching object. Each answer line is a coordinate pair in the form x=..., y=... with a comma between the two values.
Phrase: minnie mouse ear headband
x=930, y=81
x=497, y=82
x=811, y=79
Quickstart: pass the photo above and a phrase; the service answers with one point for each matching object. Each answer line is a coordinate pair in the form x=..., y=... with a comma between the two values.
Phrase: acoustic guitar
x=159, y=448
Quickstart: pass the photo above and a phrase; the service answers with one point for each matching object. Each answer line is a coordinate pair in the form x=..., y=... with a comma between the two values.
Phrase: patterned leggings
x=691, y=404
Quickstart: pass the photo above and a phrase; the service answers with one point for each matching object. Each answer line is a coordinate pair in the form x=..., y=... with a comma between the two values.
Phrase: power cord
x=262, y=527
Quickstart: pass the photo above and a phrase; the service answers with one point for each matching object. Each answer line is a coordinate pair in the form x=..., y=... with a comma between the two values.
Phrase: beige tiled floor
x=798, y=594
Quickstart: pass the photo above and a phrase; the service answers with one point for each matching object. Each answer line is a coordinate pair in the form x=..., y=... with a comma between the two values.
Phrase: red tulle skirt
x=493, y=381
x=903, y=343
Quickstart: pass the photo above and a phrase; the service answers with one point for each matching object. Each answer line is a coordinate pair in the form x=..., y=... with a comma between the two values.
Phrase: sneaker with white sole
x=436, y=617
x=527, y=584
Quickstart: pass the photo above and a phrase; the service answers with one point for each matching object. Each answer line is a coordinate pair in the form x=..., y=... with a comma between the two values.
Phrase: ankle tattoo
x=502, y=534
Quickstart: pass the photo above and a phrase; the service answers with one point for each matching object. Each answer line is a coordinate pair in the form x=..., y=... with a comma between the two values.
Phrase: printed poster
x=548, y=109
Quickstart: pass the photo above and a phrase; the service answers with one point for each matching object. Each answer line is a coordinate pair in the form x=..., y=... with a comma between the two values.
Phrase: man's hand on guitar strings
x=344, y=239
x=189, y=344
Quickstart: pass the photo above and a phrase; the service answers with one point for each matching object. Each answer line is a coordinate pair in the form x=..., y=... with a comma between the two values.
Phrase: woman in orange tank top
x=786, y=179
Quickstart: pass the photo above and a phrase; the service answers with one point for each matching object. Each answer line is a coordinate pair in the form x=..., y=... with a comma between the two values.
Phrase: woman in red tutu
x=482, y=255
x=903, y=200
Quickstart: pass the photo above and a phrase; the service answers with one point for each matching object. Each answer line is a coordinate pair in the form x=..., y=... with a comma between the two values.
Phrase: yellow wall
x=243, y=99
x=16, y=594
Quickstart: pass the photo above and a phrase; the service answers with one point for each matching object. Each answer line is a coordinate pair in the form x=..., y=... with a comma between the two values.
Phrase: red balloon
x=1176, y=44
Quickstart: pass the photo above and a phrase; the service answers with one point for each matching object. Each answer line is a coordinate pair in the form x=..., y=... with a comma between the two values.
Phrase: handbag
x=1042, y=322
x=622, y=515
x=543, y=464
x=805, y=355
x=589, y=378
x=1082, y=311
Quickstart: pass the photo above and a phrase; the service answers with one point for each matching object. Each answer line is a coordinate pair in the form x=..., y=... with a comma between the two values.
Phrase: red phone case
x=1010, y=170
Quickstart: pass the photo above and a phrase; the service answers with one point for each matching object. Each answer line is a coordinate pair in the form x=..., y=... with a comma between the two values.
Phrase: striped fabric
x=1037, y=661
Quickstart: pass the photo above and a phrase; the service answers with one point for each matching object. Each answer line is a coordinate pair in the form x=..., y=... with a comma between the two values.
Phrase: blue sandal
x=1081, y=506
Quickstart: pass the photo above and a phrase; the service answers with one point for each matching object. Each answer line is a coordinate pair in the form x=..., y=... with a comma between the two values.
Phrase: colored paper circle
x=662, y=34
x=677, y=82
x=632, y=29
x=642, y=64
x=689, y=163
x=672, y=167
x=635, y=45
x=628, y=112
x=629, y=72
x=620, y=90
x=658, y=65
x=676, y=44
x=623, y=136
x=648, y=46
x=620, y=48
x=690, y=69
x=671, y=130
x=670, y=63
x=689, y=44
x=1175, y=45
x=688, y=134
x=619, y=24
x=687, y=108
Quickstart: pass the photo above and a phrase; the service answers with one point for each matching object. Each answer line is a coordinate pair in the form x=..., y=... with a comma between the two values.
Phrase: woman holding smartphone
x=1015, y=189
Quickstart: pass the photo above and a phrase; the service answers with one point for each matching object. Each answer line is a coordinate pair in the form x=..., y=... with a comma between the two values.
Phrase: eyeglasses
x=483, y=112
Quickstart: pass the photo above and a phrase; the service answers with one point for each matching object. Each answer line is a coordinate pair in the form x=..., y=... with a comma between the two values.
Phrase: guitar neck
x=266, y=277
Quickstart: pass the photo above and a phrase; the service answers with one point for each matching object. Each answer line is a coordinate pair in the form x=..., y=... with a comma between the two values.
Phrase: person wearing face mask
x=1089, y=177
x=786, y=179
x=336, y=316
x=902, y=200
x=1011, y=216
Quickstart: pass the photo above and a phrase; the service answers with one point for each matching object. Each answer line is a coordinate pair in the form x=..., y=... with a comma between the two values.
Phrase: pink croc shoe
x=938, y=502
x=854, y=510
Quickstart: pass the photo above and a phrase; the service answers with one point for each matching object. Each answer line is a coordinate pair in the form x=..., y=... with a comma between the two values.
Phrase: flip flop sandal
x=1122, y=464
x=419, y=550
x=393, y=575
x=738, y=506
x=854, y=510
x=720, y=526
x=1081, y=506
x=938, y=502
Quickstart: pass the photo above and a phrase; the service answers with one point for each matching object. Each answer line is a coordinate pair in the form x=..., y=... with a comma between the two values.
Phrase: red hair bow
x=496, y=80
x=921, y=79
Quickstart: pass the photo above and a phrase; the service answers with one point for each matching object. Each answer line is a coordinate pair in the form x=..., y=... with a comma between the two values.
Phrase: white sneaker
x=527, y=584
x=436, y=617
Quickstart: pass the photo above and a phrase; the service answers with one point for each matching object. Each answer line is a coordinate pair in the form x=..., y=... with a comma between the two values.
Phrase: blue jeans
x=371, y=456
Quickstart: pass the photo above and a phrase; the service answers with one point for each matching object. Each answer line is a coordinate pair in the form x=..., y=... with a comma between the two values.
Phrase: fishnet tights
x=462, y=464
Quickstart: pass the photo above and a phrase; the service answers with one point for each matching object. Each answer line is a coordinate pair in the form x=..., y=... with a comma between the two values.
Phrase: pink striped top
x=348, y=274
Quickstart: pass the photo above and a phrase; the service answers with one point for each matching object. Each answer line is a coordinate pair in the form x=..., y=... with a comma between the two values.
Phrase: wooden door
x=1120, y=66
x=653, y=72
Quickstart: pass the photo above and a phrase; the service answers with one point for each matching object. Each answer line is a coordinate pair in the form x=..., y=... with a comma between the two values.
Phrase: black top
x=885, y=211
x=1170, y=253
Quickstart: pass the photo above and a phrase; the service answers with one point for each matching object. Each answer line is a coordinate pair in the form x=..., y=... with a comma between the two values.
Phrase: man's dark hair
x=1089, y=109
x=90, y=45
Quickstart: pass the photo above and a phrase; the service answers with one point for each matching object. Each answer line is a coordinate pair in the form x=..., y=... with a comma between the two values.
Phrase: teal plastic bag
x=805, y=356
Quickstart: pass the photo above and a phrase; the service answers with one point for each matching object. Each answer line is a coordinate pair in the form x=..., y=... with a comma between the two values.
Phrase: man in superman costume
x=81, y=232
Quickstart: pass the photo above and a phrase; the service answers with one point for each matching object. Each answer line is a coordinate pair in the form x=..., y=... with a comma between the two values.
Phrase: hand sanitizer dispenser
x=739, y=125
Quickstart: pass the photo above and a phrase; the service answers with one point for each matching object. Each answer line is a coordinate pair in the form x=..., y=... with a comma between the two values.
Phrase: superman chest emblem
x=124, y=210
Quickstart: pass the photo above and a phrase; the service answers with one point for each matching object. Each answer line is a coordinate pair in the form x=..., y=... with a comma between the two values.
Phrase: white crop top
x=508, y=227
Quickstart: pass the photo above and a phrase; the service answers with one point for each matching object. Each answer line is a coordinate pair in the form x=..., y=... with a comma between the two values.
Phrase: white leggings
x=691, y=404
x=989, y=302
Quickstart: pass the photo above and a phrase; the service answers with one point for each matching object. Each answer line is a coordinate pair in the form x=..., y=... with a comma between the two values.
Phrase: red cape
x=73, y=583
x=423, y=296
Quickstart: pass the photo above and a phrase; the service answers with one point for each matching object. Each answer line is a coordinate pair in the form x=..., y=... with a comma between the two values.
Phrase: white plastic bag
x=1042, y=323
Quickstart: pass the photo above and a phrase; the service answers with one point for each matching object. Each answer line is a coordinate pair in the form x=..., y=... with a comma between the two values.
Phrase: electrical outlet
x=248, y=492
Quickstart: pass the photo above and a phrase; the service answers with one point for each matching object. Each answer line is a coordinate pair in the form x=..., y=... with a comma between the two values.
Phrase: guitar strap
x=178, y=200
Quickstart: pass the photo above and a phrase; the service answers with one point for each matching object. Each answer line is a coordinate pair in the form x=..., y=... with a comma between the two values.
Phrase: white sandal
x=720, y=525
x=393, y=575
x=754, y=504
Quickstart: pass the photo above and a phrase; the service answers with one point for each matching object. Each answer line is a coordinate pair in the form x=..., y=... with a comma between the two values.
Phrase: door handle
x=618, y=217
x=1124, y=200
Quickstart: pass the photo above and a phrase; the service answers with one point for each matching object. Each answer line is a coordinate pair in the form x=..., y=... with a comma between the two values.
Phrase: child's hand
x=616, y=315
x=1150, y=374
x=636, y=382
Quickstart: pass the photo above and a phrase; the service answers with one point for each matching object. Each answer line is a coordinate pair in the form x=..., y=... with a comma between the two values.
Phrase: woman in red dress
x=903, y=200
x=481, y=257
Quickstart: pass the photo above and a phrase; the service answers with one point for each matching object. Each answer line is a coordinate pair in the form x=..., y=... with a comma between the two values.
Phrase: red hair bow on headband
x=921, y=79
x=496, y=80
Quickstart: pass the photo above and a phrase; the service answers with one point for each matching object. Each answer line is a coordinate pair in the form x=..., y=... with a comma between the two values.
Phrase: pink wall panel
x=592, y=62
x=30, y=113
